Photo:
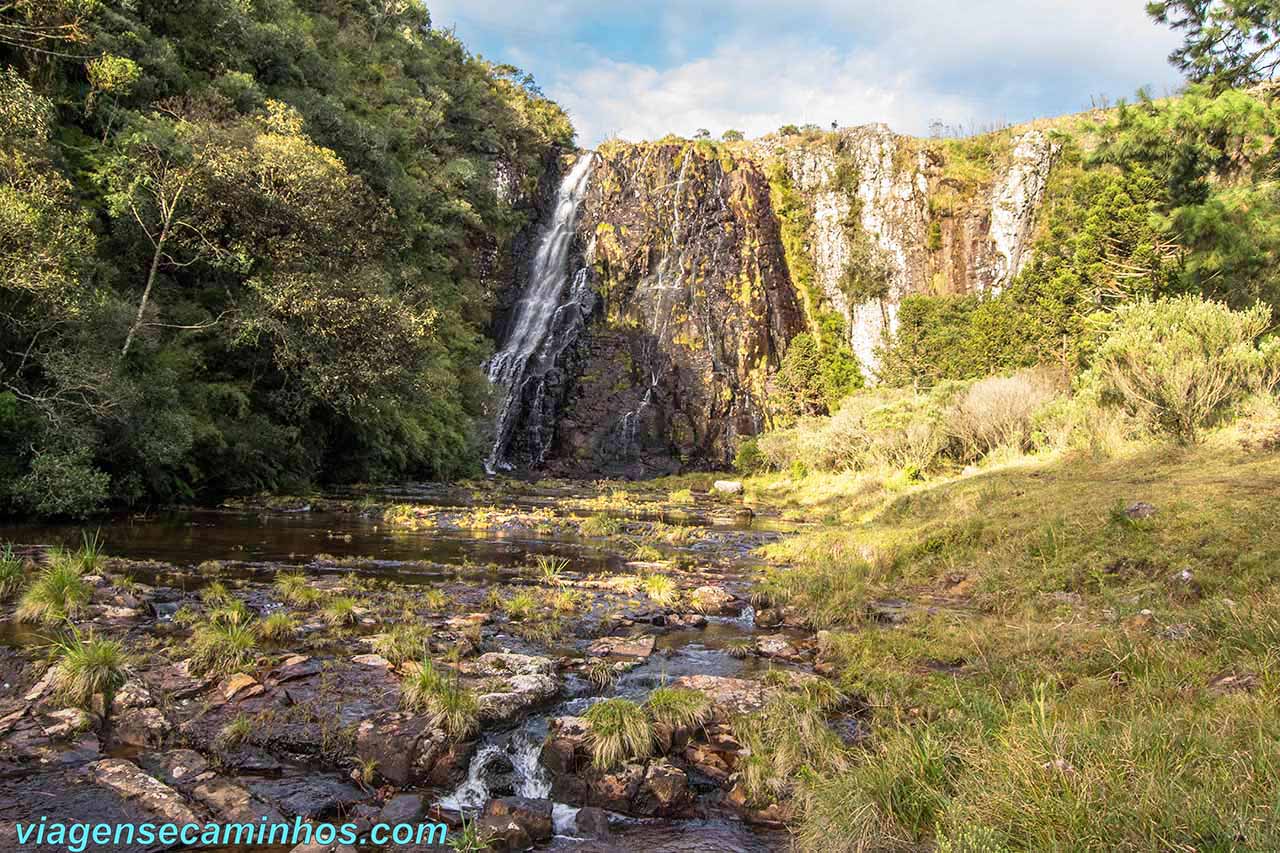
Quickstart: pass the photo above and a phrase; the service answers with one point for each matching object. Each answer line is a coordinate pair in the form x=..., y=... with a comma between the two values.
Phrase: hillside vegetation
x=245, y=246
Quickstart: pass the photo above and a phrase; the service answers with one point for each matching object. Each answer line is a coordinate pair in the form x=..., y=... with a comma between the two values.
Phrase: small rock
x=1139, y=510
x=240, y=686
x=372, y=660
x=728, y=487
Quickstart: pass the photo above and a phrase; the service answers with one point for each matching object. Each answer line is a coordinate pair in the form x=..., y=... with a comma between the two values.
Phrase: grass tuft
x=620, y=732
x=86, y=666
x=452, y=707
x=59, y=592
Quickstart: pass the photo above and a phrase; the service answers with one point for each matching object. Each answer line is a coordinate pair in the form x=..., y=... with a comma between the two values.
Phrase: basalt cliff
x=664, y=282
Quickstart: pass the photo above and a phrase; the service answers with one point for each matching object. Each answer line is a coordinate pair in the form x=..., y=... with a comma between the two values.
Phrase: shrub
x=452, y=707
x=1179, y=364
x=62, y=484
x=221, y=649
x=620, y=731
x=84, y=668
x=748, y=459
x=998, y=412
x=59, y=592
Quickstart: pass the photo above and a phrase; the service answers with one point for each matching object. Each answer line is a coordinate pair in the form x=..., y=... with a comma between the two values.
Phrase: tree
x=1227, y=43
x=732, y=136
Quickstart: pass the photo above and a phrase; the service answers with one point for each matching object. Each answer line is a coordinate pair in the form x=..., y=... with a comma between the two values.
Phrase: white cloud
x=758, y=64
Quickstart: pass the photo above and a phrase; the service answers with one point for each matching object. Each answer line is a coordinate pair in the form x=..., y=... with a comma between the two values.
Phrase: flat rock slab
x=633, y=647
x=310, y=796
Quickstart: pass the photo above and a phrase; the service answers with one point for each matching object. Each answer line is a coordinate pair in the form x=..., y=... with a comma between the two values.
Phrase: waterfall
x=540, y=320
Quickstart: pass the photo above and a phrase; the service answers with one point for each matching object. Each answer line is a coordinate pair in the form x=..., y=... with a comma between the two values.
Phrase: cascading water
x=547, y=317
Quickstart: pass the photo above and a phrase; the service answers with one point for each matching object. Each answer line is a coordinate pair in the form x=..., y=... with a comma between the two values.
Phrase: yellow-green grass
x=1068, y=677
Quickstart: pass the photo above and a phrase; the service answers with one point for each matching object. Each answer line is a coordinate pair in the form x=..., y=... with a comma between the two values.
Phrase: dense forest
x=248, y=246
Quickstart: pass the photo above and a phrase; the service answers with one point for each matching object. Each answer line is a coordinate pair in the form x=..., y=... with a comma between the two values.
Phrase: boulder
x=521, y=693
x=508, y=663
x=713, y=599
x=533, y=815
x=310, y=796
x=591, y=822
x=402, y=808
x=663, y=792
x=404, y=745
x=145, y=727
x=728, y=487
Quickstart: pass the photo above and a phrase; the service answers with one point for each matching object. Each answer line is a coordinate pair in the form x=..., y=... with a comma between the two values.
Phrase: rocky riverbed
x=533, y=601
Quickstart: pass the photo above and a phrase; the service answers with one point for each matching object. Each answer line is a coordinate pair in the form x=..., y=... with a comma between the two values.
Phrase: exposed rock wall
x=696, y=303
x=696, y=308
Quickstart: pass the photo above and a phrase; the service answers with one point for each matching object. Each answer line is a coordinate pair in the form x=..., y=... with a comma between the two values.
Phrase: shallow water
x=250, y=544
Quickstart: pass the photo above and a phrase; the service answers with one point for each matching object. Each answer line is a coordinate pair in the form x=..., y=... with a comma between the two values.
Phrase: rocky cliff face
x=697, y=300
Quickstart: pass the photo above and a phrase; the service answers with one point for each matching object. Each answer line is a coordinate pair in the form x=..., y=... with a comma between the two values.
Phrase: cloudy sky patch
x=642, y=69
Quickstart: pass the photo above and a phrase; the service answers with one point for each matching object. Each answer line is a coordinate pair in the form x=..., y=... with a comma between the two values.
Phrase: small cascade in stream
x=497, y=769
x=545, y=321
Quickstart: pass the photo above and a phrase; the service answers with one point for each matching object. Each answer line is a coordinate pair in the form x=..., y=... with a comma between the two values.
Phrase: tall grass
x=221, y=649
x=620, y=732
x=84, y=667
x=13, y=573
x=58, y=592
x=452, y=707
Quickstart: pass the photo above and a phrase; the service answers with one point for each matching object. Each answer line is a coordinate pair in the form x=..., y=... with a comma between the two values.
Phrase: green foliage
x=85, y=667
x=747, y=459
x=1226, y=44
x=404, y=642
x=732, y=136
x=812, y=380
x=340, y=610
x=1179, y=364
x=277, y=627
x=252, y=251
x=620, y=732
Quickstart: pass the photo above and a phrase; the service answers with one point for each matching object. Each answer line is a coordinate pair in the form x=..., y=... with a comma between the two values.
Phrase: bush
x=62, y=484
x=676, y=707
x=748, y=459
x=998, y=412
x=1179, y=364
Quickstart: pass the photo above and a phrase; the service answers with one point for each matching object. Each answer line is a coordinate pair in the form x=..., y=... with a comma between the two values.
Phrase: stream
x=473, y=548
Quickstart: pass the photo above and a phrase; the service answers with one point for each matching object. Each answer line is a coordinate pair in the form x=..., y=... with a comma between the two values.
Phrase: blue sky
x=644, y=68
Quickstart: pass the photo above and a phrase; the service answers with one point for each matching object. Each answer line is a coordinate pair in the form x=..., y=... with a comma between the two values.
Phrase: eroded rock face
x=695, y=299
x=695, y=307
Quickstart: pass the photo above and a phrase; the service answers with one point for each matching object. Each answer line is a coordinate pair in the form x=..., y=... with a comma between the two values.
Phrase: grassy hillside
x=1086, y=659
